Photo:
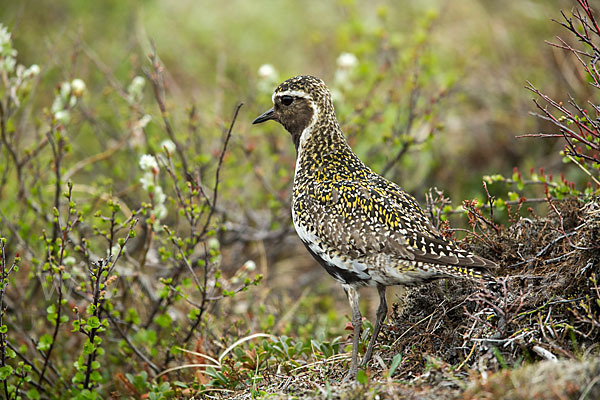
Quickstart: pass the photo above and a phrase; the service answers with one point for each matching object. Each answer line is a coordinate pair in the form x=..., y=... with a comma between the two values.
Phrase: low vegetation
x=146, y=248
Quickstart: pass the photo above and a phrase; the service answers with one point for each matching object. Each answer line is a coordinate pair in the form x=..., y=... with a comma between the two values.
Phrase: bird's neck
x=322, y=151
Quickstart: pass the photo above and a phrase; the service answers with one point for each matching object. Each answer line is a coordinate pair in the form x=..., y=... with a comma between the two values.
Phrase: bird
x=362, y=228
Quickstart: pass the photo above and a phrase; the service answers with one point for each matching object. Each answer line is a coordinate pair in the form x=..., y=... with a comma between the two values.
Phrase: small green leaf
x=45, y=342
x=395, y=363
x=361, y=377
x=163, y=320
x=33, y=394
x=93, y=322
x=88, y=348
x=5, y=372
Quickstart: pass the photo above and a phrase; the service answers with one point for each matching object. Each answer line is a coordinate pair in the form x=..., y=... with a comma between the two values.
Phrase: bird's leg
x=353, y=297
x=381, y=313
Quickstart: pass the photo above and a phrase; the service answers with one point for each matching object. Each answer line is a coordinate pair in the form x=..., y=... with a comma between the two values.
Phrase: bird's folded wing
x=360, y=218
x=426, y=242
x=431, y=250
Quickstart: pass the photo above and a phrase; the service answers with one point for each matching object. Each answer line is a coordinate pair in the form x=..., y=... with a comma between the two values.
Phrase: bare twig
x=156, y=77
x=217, y=173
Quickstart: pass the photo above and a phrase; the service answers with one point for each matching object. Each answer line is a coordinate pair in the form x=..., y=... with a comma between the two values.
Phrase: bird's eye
x=287, y=100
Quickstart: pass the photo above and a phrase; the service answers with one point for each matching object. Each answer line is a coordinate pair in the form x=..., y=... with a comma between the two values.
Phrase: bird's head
x=297, y=104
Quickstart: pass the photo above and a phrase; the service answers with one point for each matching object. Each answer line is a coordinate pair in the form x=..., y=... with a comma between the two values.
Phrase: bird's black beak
x=265, y=116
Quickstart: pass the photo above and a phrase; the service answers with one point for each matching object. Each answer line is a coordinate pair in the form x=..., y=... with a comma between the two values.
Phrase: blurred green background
x=481, y=51
x=444, y=79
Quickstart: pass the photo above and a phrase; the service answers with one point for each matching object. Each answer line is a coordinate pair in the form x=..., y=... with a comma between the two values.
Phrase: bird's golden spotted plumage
x=363, y=229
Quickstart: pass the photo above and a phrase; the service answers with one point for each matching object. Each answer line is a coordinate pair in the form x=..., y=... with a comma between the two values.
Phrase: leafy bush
x=95, y=270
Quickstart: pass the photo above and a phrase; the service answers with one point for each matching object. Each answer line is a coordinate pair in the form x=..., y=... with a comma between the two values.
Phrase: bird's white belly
x=342, y=268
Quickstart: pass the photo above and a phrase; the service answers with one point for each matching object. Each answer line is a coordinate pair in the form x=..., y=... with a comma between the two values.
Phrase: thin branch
x=157, y=79
x=218, y=172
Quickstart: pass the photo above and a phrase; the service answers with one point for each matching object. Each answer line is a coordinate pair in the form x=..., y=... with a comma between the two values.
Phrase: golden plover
x=363, y=229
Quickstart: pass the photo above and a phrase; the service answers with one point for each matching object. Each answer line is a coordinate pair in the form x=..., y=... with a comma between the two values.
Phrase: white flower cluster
x=18, y=75
x=134, y=96
x=346, y=64
x=66, y=98
x=168, y=146
x=268, y=78
x=149, y=165
x=143, y=121
x=8, y=55
x=135, y=90
x=347, y=61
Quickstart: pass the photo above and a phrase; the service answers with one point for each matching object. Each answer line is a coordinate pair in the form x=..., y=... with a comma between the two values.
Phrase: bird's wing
x=361, y=218
x=426, y=242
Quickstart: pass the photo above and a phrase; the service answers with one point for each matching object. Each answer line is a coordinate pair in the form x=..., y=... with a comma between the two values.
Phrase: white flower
x=57, y=105
x=159, y=195
x=347, y=61
x=8, y=63
x=267, y=78
x=136, y=89
x=148, y=163
x=147, y=181
x=137, y=84
x=213, y=243
x=168, y=146
x=7, y=53
x=138, y=138
x=249, y=266
x=67, y=93
x=78, y=87
x=267, y=71
x=65, y=89
x=69, y=261
x=142, y=122
x=160, y=211
x=62, y=116
x=4, y=36
x=32, y=71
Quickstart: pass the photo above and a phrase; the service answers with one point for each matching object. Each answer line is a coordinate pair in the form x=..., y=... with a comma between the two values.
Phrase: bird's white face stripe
x=293, y=93
x=308, y=130
x=306, y=133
